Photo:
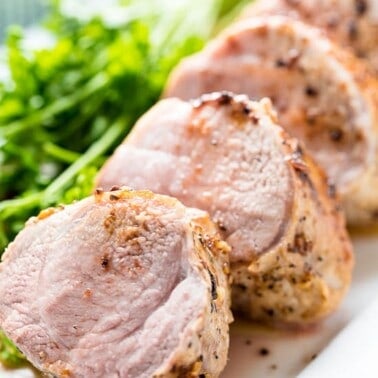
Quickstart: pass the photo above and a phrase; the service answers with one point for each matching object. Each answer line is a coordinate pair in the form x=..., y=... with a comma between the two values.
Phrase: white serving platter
x=257, y=352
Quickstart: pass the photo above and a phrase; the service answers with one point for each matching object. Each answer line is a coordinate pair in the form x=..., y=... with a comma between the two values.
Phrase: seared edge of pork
x=58, y=277
x=291, y=258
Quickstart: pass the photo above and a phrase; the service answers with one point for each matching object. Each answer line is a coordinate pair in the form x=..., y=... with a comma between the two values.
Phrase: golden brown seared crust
x=305, y=276
x=350, y=23
x=204, y=353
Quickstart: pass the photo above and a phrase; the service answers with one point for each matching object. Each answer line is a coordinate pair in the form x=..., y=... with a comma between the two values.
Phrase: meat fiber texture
x=291, y=258
x=352, y=24
x=122, y=284
x=324, y=96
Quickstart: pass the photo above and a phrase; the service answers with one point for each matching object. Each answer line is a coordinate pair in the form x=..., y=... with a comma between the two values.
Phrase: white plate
x=261, y=353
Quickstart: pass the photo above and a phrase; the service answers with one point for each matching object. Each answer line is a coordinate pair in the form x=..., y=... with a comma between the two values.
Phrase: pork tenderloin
x=352, y=24
x=122, y=284
x=291, y=258
x=324, y=96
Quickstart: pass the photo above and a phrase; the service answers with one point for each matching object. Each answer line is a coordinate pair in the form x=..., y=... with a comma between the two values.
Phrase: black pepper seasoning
x=331, y=190
x=311, y=91
x=361, y=7
x=352, y=30
x=104, y=262
x=264, y=352
x=225, y=98
x=336, y=135
x=280, y=63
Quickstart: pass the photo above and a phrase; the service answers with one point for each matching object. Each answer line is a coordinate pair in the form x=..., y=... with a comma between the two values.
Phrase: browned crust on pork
x=351, y=78
x=203, y=344
x=304, y=273
x=291, y=284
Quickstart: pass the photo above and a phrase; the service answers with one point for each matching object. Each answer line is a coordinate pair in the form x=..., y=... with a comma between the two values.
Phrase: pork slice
x=291, y=258
x=324, y=96
x=352, y=24
x=122, y=284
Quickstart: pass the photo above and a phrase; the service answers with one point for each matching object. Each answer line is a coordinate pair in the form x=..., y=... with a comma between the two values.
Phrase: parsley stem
x=60, y=105
x=49, y=195
x=10, y=207
x=97, y=149
x=60, y=153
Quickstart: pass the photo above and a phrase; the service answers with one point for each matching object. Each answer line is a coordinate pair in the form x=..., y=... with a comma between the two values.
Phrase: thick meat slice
x=291, y=258
x=324, y=97
x=350, y=23
x=123, y=284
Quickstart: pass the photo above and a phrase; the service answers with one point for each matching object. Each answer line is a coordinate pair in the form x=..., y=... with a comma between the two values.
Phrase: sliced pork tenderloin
x=324, y=97
x=350, y=23
x=122, y=284
x=291, y=258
